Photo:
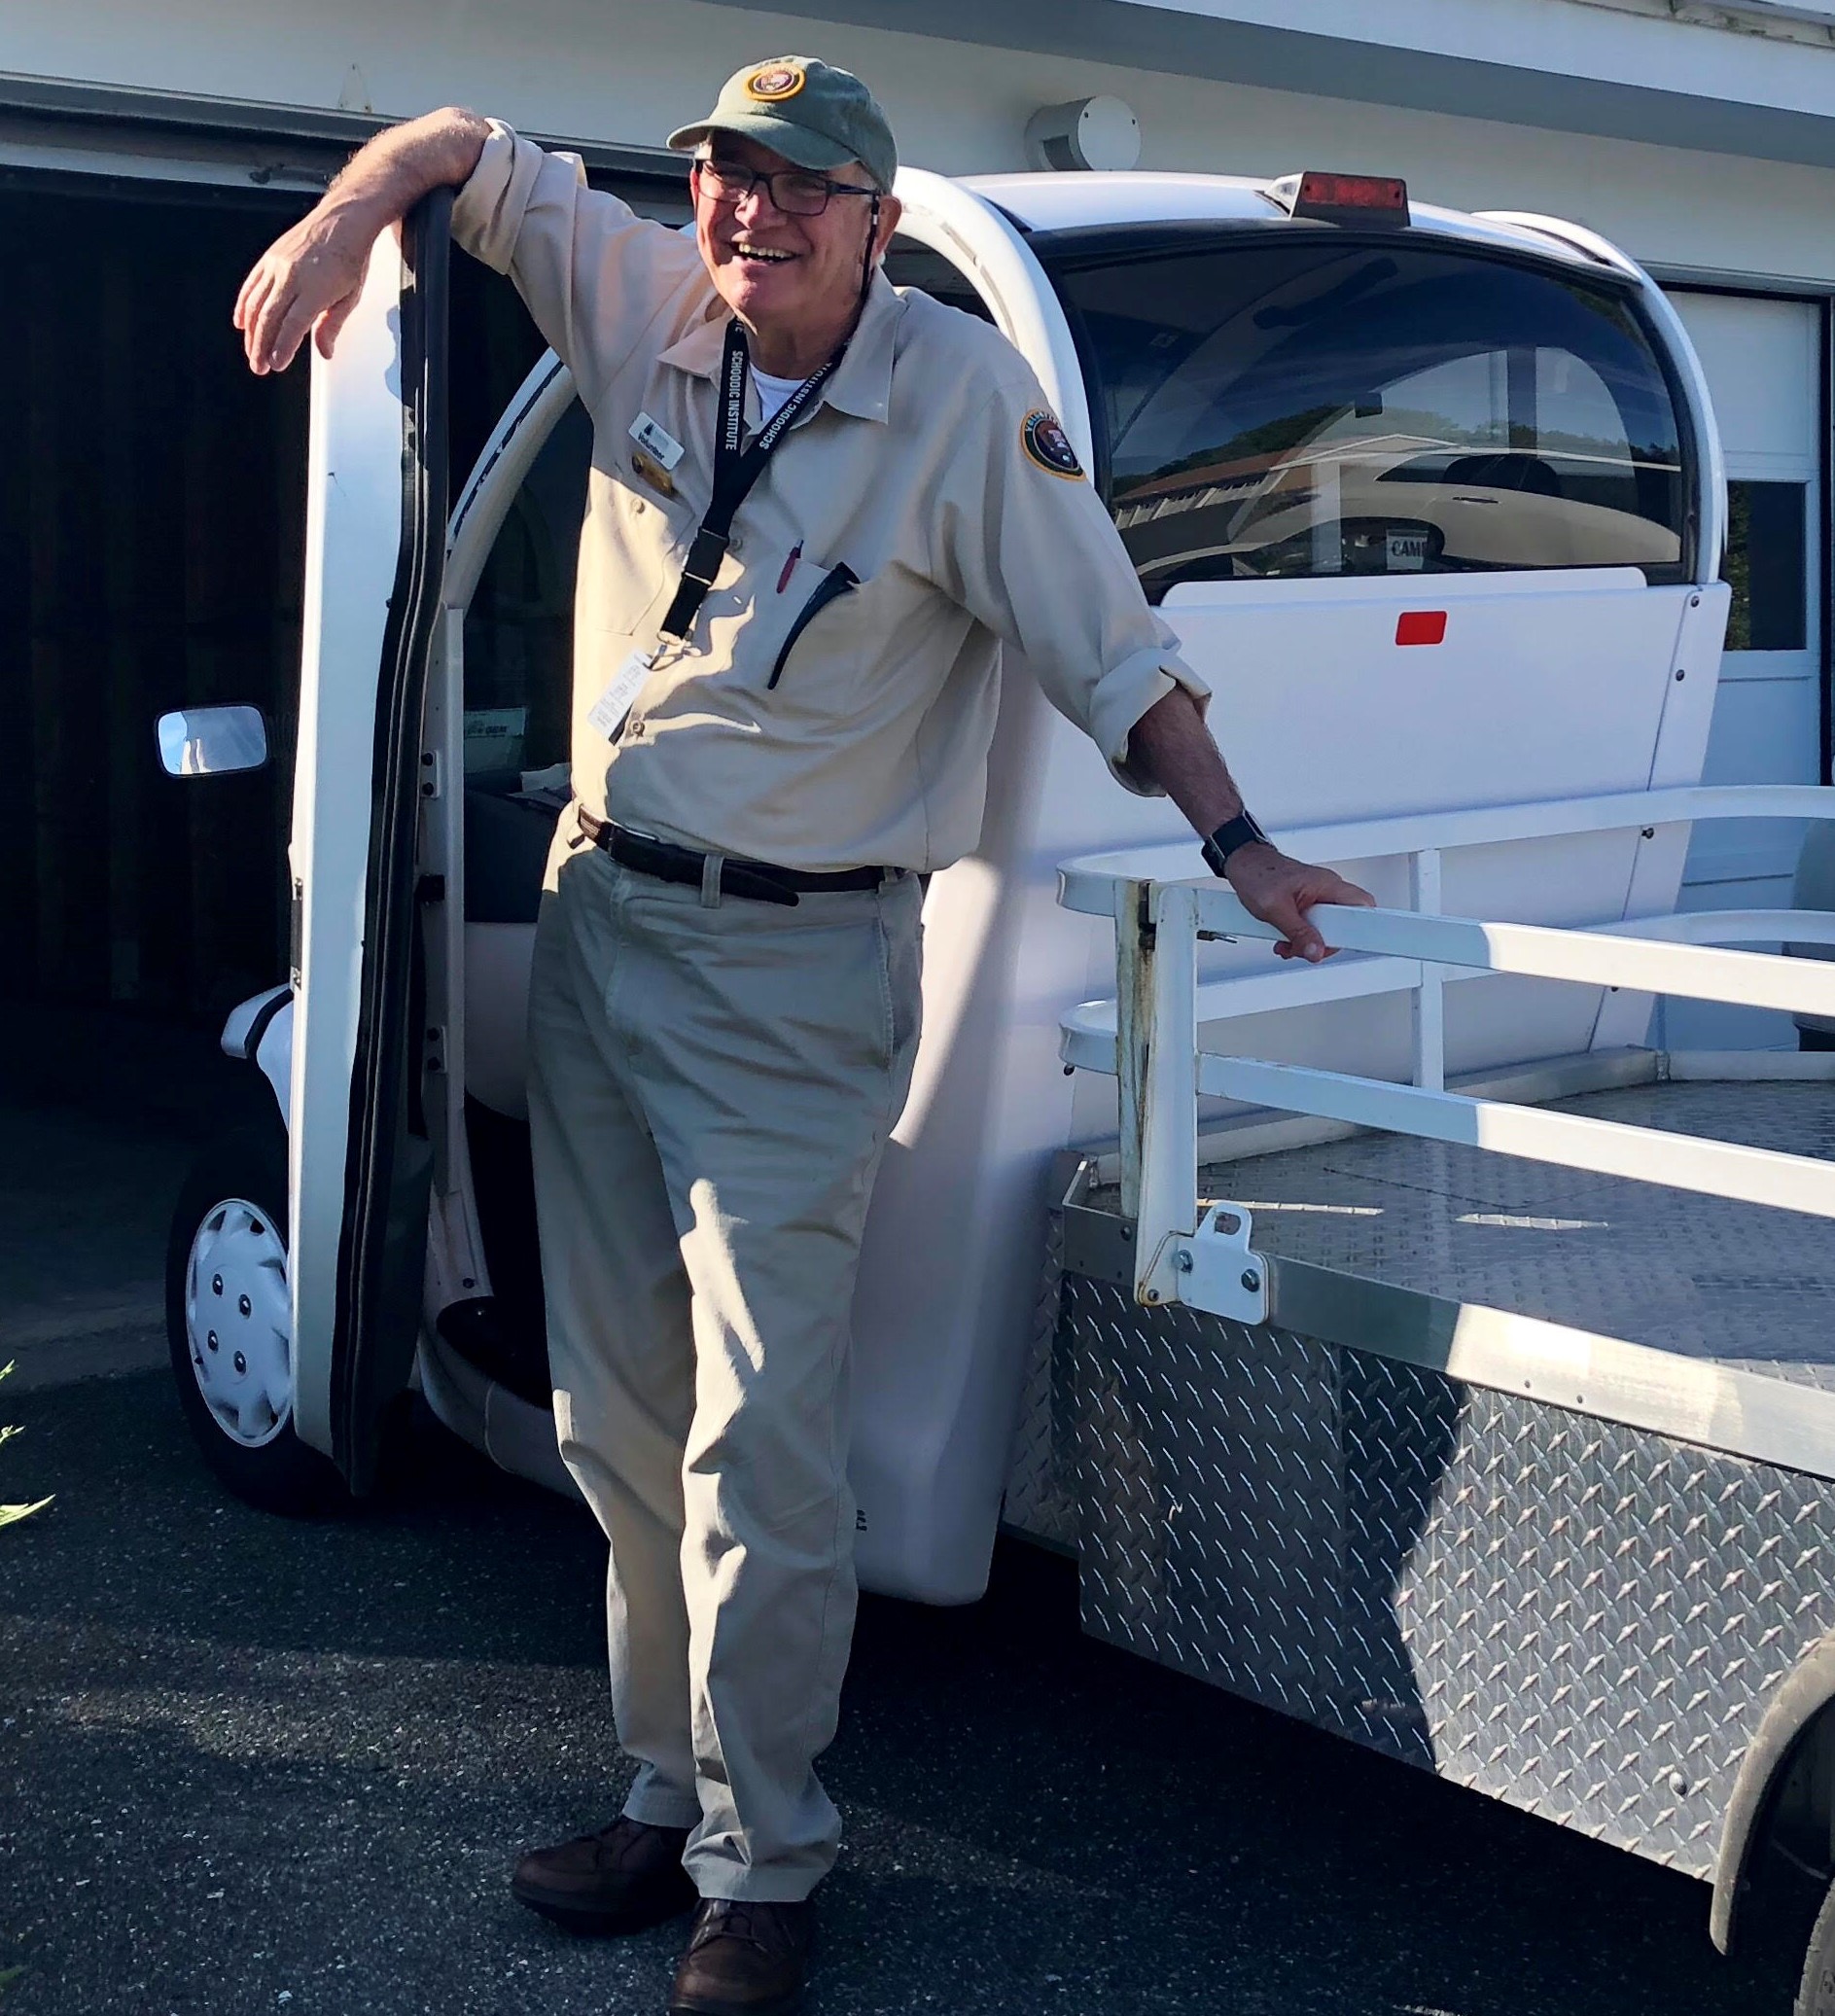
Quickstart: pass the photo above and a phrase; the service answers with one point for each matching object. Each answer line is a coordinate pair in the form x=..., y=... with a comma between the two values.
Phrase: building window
x=1767, y=526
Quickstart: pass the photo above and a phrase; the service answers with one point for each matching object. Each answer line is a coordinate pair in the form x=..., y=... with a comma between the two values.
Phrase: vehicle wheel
x=228, y=1324
x=1817, y=1994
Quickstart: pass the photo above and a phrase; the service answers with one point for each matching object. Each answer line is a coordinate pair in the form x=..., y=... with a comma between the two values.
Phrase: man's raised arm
x=310, y=278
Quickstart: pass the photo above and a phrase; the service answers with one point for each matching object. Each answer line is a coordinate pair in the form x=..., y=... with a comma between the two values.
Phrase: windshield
x=1307, y=407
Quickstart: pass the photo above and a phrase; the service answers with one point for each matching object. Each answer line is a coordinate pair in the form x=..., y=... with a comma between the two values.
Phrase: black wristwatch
x=1231, y=834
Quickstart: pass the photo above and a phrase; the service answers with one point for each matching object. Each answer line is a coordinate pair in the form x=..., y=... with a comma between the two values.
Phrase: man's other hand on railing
x=1171, y=745
x=1279, y=891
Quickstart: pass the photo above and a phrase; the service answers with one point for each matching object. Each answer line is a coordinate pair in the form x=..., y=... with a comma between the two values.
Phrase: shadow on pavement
x=244, y=1759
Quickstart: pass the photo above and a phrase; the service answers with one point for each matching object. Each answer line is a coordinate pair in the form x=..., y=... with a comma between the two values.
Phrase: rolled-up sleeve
x=1028, y=550
x=592, y=273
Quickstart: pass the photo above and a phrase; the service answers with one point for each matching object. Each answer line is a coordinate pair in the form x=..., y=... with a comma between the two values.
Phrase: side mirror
x=211, y=741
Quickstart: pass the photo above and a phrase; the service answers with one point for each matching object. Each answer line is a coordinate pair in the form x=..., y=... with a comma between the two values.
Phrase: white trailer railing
x=1149, y=1034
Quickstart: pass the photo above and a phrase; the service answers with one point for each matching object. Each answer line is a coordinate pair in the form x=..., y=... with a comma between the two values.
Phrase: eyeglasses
x=795, y=192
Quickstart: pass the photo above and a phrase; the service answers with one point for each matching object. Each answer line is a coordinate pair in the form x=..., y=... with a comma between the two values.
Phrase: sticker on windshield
x=1048, y=445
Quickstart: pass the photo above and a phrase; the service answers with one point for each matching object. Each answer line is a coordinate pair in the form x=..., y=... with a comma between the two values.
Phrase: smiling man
x=818, y=508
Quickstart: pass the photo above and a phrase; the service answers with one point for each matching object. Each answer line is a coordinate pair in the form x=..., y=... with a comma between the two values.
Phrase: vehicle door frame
x=359, y=1154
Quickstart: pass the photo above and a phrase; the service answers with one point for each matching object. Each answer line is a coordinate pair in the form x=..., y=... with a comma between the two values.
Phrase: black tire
x=1816, y=1996
x=278, y=1473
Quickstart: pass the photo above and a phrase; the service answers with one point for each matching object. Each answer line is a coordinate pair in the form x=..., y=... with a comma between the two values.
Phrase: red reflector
x=1421, y=627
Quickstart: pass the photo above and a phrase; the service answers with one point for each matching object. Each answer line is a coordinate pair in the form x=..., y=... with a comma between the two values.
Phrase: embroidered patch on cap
x=1048, y=445
x=775, y=83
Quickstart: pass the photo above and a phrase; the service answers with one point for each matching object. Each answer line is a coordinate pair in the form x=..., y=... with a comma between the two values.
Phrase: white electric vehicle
x=1434, y=502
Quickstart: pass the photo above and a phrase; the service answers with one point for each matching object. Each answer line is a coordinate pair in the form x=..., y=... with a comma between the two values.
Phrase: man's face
x=775, y=268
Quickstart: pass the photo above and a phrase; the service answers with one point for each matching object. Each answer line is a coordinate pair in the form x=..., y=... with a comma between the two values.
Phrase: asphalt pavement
x=248, y=1765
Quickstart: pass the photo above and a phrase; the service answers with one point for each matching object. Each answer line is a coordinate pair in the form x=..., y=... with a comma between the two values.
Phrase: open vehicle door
x=360, y=1157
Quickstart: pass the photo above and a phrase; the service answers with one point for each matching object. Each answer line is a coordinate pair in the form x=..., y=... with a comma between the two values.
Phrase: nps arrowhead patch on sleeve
x=1046, y=444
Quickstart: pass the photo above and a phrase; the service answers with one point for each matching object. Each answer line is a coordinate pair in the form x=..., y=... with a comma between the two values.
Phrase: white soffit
x=1741, y=16
x=1646, y=44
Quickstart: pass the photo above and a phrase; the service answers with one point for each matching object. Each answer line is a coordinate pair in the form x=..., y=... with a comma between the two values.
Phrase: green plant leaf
x=9, y=1514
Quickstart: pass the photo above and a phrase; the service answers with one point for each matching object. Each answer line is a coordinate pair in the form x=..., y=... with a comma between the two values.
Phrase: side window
x=519, y=627
x=1298, y=409
x=911, y=265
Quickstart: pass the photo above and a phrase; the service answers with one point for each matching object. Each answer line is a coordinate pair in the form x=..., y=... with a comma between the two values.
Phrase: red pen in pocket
x=789, y=566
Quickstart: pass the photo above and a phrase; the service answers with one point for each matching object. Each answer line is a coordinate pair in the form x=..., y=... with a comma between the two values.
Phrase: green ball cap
x=807, y=111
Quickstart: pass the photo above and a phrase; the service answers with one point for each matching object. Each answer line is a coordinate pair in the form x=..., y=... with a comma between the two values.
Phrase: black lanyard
x=735, y=471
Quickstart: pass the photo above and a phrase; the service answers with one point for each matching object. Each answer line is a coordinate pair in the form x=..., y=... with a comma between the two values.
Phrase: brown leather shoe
x=744, y=1959
x=623, y=1879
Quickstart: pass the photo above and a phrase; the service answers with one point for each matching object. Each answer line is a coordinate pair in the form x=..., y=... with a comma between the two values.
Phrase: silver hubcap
x=239, y=1323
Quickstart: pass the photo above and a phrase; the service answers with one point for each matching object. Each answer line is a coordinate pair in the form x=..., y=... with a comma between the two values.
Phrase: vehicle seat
x=1512, y=470
x=507, y=840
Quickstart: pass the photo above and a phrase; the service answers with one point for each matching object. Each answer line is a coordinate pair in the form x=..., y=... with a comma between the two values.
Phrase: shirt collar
x=862, y=386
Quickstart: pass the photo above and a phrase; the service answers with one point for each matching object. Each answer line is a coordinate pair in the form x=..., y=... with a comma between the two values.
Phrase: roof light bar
x=1374, y=201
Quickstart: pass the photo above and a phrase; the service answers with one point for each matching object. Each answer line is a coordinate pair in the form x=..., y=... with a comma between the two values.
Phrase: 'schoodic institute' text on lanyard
x=736, y=470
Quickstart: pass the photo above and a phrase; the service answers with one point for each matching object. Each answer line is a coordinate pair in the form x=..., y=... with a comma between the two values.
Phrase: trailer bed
x=1736, y=1284
x=1582, y=1604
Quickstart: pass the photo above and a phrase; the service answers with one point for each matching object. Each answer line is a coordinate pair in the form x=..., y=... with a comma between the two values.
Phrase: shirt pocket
x=779, y=628
x=830, y=586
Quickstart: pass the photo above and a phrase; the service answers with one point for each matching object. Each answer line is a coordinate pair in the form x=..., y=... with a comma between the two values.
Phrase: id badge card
x=607, y=713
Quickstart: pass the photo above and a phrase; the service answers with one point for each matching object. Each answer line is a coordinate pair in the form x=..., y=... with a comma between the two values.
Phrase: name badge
x=650, y=434
x=607, y=713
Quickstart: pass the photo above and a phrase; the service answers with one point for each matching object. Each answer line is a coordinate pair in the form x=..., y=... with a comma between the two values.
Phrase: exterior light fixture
x=1100, y=132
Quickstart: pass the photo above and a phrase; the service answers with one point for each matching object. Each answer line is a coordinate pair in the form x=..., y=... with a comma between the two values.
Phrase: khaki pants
x=712, y=1084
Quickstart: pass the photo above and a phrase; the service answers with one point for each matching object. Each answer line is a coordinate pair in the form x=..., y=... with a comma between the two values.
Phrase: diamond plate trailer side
x=1585, y=1575
x=1581, y=1618
x=1622, y=1629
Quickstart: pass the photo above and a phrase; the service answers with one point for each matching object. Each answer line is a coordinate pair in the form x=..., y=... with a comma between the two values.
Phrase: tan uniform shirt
x=866, y=742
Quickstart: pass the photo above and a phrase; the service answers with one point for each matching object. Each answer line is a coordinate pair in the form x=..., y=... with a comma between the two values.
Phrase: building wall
x=615, y=70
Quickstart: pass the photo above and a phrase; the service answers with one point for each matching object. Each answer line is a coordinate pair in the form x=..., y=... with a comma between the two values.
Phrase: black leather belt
x=757, y=879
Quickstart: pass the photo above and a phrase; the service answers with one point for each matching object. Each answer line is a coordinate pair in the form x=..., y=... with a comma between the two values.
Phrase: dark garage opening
x=151, y=548
x=151, y=542
x=151, y=555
